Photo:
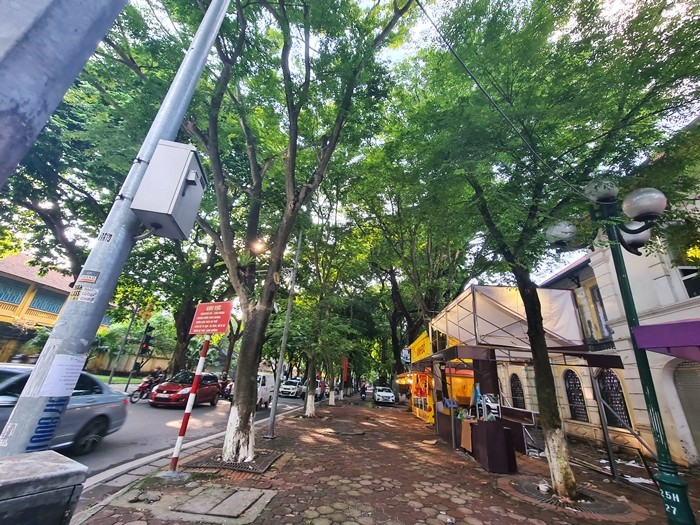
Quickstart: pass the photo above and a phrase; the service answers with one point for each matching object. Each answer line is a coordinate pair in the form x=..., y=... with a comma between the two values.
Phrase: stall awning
x=494, y=317
x=460, y=353
x=678, y=339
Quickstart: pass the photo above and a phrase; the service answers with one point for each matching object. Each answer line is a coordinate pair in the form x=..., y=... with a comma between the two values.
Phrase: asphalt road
x=148, y=430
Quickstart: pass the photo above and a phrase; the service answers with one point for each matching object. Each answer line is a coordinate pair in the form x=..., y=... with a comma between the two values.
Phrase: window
x=599, y=308
x=612, y=394
x=691, y=280
x=86, y=386
x=11, y=291
x=574, y=394
x=516, y=392
x=47, y=301
x=15, y=388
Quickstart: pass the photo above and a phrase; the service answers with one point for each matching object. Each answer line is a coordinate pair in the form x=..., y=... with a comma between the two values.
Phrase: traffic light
x=145, y=347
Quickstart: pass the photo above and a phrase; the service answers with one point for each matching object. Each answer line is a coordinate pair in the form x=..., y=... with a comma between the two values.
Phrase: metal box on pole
x=171, y=191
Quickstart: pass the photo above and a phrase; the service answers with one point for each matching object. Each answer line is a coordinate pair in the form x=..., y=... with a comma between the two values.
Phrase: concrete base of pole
x=44, y=484
x=268, y=436
x=173, y=475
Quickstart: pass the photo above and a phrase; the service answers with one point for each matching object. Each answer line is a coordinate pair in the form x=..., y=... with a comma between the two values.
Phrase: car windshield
x=384, y=389
x=291, y=382
x=186, y=378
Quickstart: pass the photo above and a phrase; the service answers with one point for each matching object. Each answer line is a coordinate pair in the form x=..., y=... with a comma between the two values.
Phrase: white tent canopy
x=494, y=317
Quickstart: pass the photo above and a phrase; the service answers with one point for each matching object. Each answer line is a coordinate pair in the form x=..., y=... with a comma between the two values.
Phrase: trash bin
x=39, y=488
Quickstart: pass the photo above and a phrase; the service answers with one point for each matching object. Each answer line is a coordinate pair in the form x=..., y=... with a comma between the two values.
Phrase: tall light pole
x=280, y=365
x=645, y=206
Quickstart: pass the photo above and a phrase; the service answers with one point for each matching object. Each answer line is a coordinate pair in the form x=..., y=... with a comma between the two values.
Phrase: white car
x=383, y=394
x=291, y=388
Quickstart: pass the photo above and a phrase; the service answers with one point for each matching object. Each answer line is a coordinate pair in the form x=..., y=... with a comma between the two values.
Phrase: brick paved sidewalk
x=356, y=464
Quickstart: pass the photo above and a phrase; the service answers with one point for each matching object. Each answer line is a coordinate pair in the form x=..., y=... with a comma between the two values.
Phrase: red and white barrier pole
x=190, y=403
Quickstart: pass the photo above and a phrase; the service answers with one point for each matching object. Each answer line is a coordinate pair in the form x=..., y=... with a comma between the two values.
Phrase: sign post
x=209, y=318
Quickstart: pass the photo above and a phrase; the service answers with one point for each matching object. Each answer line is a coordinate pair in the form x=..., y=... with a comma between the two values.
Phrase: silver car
x=94, y=410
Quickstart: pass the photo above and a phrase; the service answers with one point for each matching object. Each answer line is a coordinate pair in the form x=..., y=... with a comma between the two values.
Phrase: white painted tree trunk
x=331, y=398
x=239, y=443
x=558, y=457
x=310, y=406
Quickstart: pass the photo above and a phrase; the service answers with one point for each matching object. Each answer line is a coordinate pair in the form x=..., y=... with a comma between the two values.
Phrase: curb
x=124, y=468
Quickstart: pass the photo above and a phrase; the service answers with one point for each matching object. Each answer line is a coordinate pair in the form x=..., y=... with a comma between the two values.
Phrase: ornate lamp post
x=643, y=206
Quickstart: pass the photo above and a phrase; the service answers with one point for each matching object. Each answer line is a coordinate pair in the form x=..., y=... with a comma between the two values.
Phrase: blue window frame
x=47, y=301
x=12, y=291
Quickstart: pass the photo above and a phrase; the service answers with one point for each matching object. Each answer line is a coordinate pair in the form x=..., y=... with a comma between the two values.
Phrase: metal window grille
x=574, y=394
x=611, y=391
x=516, y=392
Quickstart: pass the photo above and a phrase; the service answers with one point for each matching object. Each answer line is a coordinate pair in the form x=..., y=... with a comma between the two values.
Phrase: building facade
x=662, y=293
x=27, y=301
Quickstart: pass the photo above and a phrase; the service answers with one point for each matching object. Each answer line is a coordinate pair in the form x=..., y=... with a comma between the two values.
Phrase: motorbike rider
x=155, y=377
x=363, y=390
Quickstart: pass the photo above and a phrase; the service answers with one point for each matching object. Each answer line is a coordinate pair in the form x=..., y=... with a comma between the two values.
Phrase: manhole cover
x=594, y=504
x=262, y=461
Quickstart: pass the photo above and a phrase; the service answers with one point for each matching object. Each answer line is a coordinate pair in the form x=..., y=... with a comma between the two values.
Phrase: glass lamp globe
x=602, y=191
x=560, y=233
x=644, y=204
x=636, y=240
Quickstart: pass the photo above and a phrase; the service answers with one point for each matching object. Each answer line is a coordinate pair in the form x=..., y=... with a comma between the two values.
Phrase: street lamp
x=644, y=206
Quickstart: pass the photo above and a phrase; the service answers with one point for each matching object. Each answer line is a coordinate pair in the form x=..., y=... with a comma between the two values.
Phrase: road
x=148, y=430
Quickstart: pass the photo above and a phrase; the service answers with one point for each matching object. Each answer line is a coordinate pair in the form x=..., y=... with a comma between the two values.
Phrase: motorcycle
x=143, y=390
x=227, y=392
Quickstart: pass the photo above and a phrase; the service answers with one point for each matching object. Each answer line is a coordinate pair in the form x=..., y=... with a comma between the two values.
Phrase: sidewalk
x=356, y=464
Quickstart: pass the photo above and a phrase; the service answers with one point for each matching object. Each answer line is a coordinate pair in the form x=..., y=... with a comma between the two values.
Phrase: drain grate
x=592, y=503
x=262, y=461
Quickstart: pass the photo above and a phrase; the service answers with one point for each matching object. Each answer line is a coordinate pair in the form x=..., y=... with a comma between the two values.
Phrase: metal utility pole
x=37, y=414
x=44, y=45
x=290, y=301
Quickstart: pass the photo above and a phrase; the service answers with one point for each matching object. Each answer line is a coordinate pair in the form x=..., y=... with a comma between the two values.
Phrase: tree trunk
x=239, y=443
x=310, y=410
x=563, y=481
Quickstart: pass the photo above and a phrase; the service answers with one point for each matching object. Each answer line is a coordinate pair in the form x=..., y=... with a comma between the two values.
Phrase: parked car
x=291, y=388
x=175, y=391
x=383, y=394
x=304, y=388
x=491, y=401
x=93, y=412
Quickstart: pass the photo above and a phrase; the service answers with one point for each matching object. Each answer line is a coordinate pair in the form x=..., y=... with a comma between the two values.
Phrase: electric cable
x=493, y=102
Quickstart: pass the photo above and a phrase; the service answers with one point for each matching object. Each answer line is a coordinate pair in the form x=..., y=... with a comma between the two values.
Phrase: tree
x=585, y=90
x=287, y=158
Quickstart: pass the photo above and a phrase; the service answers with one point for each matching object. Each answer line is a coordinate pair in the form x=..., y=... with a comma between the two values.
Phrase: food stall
x=484, y=325
x=419, y=381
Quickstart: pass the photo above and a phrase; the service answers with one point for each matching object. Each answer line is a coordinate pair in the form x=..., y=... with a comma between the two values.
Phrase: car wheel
x=135, y=396
x=214, y=400
x=89, y=437
x=268, y=403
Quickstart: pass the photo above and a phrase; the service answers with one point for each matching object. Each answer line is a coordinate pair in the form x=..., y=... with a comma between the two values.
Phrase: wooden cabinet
x=492, y=446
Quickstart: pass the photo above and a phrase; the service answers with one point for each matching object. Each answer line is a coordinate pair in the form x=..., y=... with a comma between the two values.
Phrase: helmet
x=158, y=368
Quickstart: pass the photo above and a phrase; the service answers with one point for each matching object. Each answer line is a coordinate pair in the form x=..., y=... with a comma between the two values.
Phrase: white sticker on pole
x=63, y=375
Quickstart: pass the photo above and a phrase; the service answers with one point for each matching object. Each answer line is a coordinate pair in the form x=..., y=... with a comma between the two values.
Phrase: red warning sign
x=211, y=318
